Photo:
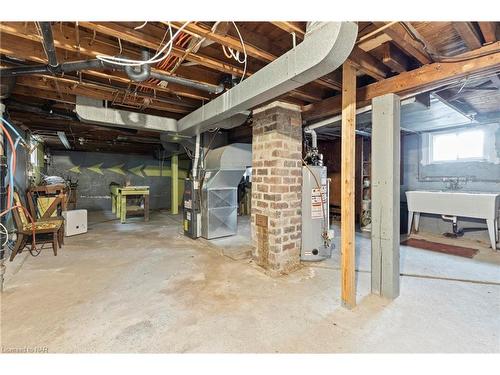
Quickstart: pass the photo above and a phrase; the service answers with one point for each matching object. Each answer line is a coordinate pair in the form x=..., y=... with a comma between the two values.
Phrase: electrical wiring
x=141, y=26
x=14, y=130
x=209, y=147
x=10, y=191
x=156, y=58
x=236, y=55
x=6, y=234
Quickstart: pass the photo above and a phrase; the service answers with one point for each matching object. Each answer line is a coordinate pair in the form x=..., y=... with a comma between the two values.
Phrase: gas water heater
x=316, y=233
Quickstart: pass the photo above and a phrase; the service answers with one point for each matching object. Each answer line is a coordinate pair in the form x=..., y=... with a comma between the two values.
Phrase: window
x=457, y=146
x=34, y=152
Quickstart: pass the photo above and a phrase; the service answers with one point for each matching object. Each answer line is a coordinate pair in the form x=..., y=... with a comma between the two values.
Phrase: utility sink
x=477, y=205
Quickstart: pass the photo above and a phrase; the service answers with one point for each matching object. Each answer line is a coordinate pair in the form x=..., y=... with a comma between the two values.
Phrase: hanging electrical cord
x=232, y=54
x=141, y=26
x=209, y=147
x=156, y=58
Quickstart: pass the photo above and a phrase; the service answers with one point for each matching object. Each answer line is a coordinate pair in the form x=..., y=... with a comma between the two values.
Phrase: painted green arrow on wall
x=137, y=171
x=141, y=170
x=117, y=169
x=96, y=168
x=75, y=169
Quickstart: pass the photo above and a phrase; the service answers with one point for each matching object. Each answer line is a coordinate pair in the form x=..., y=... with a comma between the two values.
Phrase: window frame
x=456, y=132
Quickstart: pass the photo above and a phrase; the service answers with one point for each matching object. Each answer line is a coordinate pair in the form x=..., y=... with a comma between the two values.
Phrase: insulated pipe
x=48, y=43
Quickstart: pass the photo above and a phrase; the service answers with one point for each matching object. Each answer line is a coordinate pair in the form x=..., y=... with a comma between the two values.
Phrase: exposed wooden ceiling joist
x=34, y=52
x=362, y=60
x=469, y=34
x=152, y=42
x=425, y=78
x=226, y=40
x=403, y=40
x=368, y=64
x=394, y=58
x=291, y=27
x=71, y=86
x=488, y=29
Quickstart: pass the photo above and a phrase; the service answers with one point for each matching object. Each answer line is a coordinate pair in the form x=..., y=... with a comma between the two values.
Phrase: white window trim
x=428, y=144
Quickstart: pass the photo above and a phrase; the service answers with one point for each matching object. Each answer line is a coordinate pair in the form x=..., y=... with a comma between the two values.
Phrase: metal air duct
x=325, y=47
x=92, y=111
x=219, y=195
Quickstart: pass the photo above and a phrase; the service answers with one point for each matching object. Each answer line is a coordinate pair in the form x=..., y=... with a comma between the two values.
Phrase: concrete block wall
x=276, y=187
x=93, y=188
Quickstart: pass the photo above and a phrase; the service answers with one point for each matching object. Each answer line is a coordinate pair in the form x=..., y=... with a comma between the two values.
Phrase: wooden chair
x=52, y=228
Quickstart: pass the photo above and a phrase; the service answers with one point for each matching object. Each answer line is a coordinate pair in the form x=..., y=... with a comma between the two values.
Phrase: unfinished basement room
x=250, y=186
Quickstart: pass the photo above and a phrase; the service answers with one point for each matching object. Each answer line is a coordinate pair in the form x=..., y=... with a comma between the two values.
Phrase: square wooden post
x=347, y=235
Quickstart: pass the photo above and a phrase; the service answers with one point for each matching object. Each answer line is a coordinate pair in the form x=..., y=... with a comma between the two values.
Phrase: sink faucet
x=455, y=183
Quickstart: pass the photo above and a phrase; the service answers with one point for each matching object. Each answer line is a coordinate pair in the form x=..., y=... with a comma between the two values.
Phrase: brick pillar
x=276, y=187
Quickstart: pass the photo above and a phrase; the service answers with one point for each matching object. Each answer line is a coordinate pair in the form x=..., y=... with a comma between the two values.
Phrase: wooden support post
x=348, y=250
x=175, y=185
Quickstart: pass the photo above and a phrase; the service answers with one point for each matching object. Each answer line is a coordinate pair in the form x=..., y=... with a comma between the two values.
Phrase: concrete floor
x=144, y=287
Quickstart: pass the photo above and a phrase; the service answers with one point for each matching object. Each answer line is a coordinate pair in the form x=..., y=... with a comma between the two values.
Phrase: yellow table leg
x=123, y=208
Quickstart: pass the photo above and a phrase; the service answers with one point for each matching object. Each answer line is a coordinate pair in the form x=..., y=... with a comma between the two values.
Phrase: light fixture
x=64, y=140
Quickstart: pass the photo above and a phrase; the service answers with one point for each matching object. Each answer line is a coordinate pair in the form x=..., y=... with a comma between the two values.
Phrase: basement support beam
x=405, y=42
x=406, y=84
x=348, y=146
x=174, y=201
x=385, y=195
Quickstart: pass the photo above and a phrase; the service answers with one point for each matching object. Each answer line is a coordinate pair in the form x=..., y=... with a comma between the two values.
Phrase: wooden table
x=119, y=196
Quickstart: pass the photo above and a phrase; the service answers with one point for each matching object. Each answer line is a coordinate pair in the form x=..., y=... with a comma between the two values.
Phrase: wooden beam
x=44, y=94
x=347, y=234
x=425, y=78
x=469, y=34
x=291, y=27
x=368, y=64
x=488, y=29
x=394, y=58
x=64, y=41
x=202, y=31
x=152, y=42
x=361, y=60
x=69, y=86
x=403, y=40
